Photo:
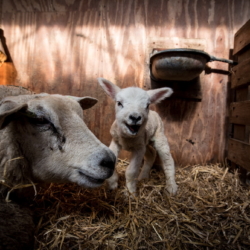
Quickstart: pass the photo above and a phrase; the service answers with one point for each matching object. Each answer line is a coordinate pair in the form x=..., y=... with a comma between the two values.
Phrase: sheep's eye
x=119, y=104
x=35, y=120
x=42, y=124
x=148, y=105
x=40, y=121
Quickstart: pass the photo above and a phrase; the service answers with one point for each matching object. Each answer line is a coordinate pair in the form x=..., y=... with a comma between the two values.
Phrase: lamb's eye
x=119, y=104
x=148, y=105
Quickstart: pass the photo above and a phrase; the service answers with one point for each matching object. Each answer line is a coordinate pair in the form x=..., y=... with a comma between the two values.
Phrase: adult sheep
x=43, y=138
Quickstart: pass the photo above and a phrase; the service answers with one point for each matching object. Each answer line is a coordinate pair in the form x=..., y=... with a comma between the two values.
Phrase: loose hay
x=211, y=211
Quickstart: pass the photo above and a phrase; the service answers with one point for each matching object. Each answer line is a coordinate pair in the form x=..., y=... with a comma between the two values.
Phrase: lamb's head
x=50, y=133
x=132, y=105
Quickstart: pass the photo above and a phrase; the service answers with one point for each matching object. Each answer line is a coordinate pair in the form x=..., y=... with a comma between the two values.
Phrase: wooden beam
x=242, y=38
x=241, y=94
x=240, y=113
x=243, y=55
x=239, y=132
x=240, y=75
x=239, y=153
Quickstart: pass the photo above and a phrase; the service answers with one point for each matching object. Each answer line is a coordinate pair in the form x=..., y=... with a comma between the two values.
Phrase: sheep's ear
x=8, y=108
x=86, y=102
x=110, y=88
x=157, y=95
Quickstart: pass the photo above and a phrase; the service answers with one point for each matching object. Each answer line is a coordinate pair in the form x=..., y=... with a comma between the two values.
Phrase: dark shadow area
x=190, y=90
x=228, y=129
x=182, y=104
x=176, y=109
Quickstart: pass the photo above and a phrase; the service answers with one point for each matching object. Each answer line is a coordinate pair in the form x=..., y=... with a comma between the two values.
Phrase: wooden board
x=239, y=153
x=241, y=94
x=242, y=38
x=239, y=132
x=43, y=6
x=62, y=46
x=239, y=149
x=243, y=55
x=240, y=74
x=240, y=113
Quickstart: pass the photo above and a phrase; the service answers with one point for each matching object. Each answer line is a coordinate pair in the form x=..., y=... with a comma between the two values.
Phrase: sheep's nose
x=134, y=118
x=108, y=162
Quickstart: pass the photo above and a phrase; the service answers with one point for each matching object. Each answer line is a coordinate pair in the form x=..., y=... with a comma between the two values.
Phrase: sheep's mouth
x=90, y=178
x=133, y=128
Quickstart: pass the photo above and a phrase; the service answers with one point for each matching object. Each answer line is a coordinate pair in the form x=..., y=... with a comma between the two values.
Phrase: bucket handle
x=213, y=58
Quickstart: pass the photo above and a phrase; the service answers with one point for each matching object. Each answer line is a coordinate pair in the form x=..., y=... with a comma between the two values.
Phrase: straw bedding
x=210, y=211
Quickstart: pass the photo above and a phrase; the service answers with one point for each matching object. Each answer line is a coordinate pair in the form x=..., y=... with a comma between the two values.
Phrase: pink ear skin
x=110, y=88
x=157, y=95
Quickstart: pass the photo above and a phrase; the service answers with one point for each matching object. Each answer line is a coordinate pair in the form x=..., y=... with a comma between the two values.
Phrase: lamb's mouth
x=133, y=128
x=90, y=178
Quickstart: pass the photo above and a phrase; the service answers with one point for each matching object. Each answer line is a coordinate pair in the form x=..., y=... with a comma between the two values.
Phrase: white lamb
x=140, y=131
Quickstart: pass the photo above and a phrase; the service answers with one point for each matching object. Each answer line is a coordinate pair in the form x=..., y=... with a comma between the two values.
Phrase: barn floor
x=210, y=211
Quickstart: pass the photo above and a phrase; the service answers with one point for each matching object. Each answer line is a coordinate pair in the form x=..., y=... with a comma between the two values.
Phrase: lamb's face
x=58, y=145
x=132, y=107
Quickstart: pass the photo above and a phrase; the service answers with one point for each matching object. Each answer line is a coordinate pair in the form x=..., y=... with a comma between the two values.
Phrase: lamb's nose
x=134, y=118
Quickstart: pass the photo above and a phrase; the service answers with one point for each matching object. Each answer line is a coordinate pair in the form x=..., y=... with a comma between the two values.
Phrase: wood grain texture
x=241, y=94
x=42, y=6
x=62, y=46
x=243, y=55
x=240, y=113
x=239, y=132
x=241, y=74
x=242, y=38
x=239, y=153
x=240, y=109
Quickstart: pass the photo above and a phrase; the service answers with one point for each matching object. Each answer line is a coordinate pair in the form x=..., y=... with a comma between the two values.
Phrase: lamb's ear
x=8, y=108
x=157, y=95
x=110, y=88
x=86, y=102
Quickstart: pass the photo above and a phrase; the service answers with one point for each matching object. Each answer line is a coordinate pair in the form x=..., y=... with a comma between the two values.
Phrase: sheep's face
x=55, y=141
x=132, y=107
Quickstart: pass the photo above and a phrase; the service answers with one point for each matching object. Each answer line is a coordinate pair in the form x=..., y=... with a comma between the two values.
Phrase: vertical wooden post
x=8, y=72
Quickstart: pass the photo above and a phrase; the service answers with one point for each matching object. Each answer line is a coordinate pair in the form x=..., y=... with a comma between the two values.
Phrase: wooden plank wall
x=239, y=144
x=62, y=46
